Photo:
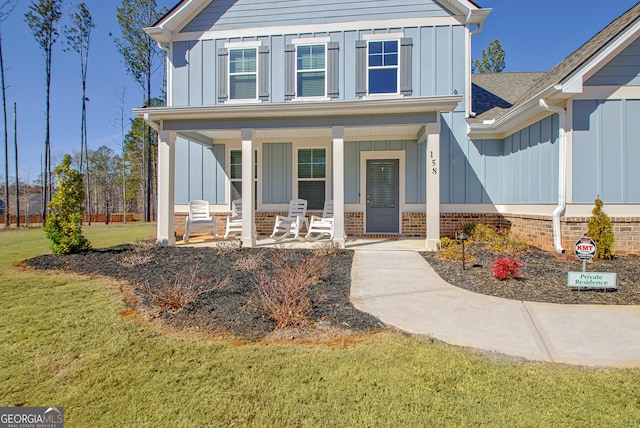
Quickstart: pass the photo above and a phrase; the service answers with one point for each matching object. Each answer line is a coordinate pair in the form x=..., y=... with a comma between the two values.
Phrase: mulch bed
x=225, y=311
x=544, y=277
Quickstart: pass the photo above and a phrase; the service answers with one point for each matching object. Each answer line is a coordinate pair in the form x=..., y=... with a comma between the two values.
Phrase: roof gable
x=182, y=16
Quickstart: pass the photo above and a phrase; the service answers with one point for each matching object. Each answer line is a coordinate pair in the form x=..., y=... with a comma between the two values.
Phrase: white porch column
x=433, y=185
x=338, y=185
x=248, y=189
x=166, y=188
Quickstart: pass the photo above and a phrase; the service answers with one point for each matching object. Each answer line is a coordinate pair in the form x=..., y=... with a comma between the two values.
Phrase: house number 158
x=434, y=167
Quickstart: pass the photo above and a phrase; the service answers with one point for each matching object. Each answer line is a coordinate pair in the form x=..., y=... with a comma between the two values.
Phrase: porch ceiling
x=372, y=119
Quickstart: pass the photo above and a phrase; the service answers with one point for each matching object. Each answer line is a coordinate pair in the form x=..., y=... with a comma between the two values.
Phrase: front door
x=382, y=196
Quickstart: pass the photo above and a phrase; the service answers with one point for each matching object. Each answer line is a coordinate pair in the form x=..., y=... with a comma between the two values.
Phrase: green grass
x=65, y=341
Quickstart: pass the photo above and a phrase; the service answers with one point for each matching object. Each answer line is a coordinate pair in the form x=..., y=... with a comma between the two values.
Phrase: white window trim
x=327, y=170
x=397, y=67
x=312, y=42
x=383, y=36
x=229, y=180
x=373, y=155
x=256, y=73
x=242, y=45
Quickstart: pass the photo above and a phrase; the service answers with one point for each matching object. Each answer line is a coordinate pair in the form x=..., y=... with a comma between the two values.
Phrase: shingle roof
x=493, y=94
x=505, y=85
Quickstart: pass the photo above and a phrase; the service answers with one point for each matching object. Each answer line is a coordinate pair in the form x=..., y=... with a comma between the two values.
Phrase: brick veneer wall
x=535, y=229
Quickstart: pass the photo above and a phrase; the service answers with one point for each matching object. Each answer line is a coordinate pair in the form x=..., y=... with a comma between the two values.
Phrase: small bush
x=250, y=263
x=285, y=295
x=451, y=249
x=507, y=267
x=328, y=248
x=64, y=224
x=601, y=231
x=497, y=241
x=182, y=290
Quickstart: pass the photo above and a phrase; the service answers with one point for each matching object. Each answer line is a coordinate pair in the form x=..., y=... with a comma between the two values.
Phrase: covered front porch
x=372, y=131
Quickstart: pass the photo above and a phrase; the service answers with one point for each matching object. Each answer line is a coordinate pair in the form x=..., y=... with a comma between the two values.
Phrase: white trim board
x=400, y=155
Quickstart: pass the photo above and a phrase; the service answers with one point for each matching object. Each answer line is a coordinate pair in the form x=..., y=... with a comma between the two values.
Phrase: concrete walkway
x=393, y=282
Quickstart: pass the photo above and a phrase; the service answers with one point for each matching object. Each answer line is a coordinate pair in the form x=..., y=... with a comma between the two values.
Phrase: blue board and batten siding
x=438, y=63
x=199, y=172
x=519, y=169
x=245, y=14
x=620, y=71
x=606, y=151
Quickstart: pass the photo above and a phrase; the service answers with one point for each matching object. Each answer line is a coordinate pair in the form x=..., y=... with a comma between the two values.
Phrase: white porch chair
x=234, y=221
x=292, y=223
x=199, y=219
x=322, y=226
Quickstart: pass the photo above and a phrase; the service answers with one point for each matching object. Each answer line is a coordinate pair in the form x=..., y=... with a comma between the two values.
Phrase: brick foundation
x=535, y=229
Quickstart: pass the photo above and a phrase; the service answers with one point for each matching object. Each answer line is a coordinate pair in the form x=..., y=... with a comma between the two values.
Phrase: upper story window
x=311, y=70
x=382, y=67
x=243, y=74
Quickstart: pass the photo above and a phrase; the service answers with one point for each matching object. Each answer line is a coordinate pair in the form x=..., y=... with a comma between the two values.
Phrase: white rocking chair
x=199, y=219
x=292, y=223
x=322, y=226
x=234, y=221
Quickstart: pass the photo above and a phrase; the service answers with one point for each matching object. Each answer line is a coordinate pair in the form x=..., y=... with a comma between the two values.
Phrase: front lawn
x=68, y=340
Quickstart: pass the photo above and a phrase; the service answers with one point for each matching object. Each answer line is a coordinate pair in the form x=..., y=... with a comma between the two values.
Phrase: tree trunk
x=6, y=141
x=15, y=141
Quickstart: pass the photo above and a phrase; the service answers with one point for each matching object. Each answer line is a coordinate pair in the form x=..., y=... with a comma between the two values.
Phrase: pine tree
x=492, y=59
x=601, y=231
x=64, y=224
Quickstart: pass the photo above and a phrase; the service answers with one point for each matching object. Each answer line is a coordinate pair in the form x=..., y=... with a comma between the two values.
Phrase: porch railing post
x=166, y=188
x=433, y=185
x=248, y=189
x=338, y=186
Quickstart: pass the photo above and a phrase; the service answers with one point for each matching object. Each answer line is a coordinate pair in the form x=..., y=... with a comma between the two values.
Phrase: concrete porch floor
x=370, y=244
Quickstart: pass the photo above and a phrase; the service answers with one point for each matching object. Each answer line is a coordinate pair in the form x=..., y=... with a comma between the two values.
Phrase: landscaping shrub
x=450, y=249
x=497, y=241
x=507, y=267
x=182, y=290
x=601, y=231
x=285, y=295
x=64, y=223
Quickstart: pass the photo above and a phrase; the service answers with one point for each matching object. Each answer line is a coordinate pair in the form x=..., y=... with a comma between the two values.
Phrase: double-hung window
x=235, y=174
x=243, y=74
x=382, y=66
x=312, y=177
x=311, y=70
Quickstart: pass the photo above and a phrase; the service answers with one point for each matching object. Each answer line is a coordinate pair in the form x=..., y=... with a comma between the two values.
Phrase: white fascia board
x=288, y=109
x=513, y=121
x=159, y=34
x=178, y=18
x=574, y=83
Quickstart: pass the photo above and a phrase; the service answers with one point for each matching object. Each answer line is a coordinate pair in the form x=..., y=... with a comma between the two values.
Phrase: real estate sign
x=592, y=280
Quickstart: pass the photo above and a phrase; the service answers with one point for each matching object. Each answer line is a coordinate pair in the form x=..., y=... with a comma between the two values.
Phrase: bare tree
x=15, y=142
x=140, y=53
x=43, y=18
x=5, y=9
x=78, y=37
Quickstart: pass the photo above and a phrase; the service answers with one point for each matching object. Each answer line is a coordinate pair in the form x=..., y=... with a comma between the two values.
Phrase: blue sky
x=536, y=35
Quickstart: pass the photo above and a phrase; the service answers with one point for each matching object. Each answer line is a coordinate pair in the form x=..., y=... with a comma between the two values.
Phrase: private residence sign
x=605, y=280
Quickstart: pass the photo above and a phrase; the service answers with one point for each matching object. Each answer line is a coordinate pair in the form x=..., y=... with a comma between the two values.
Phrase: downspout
x=469, y=96
x=562, y=174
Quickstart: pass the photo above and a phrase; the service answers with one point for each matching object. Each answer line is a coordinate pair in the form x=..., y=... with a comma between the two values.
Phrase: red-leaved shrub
x=507, y=267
